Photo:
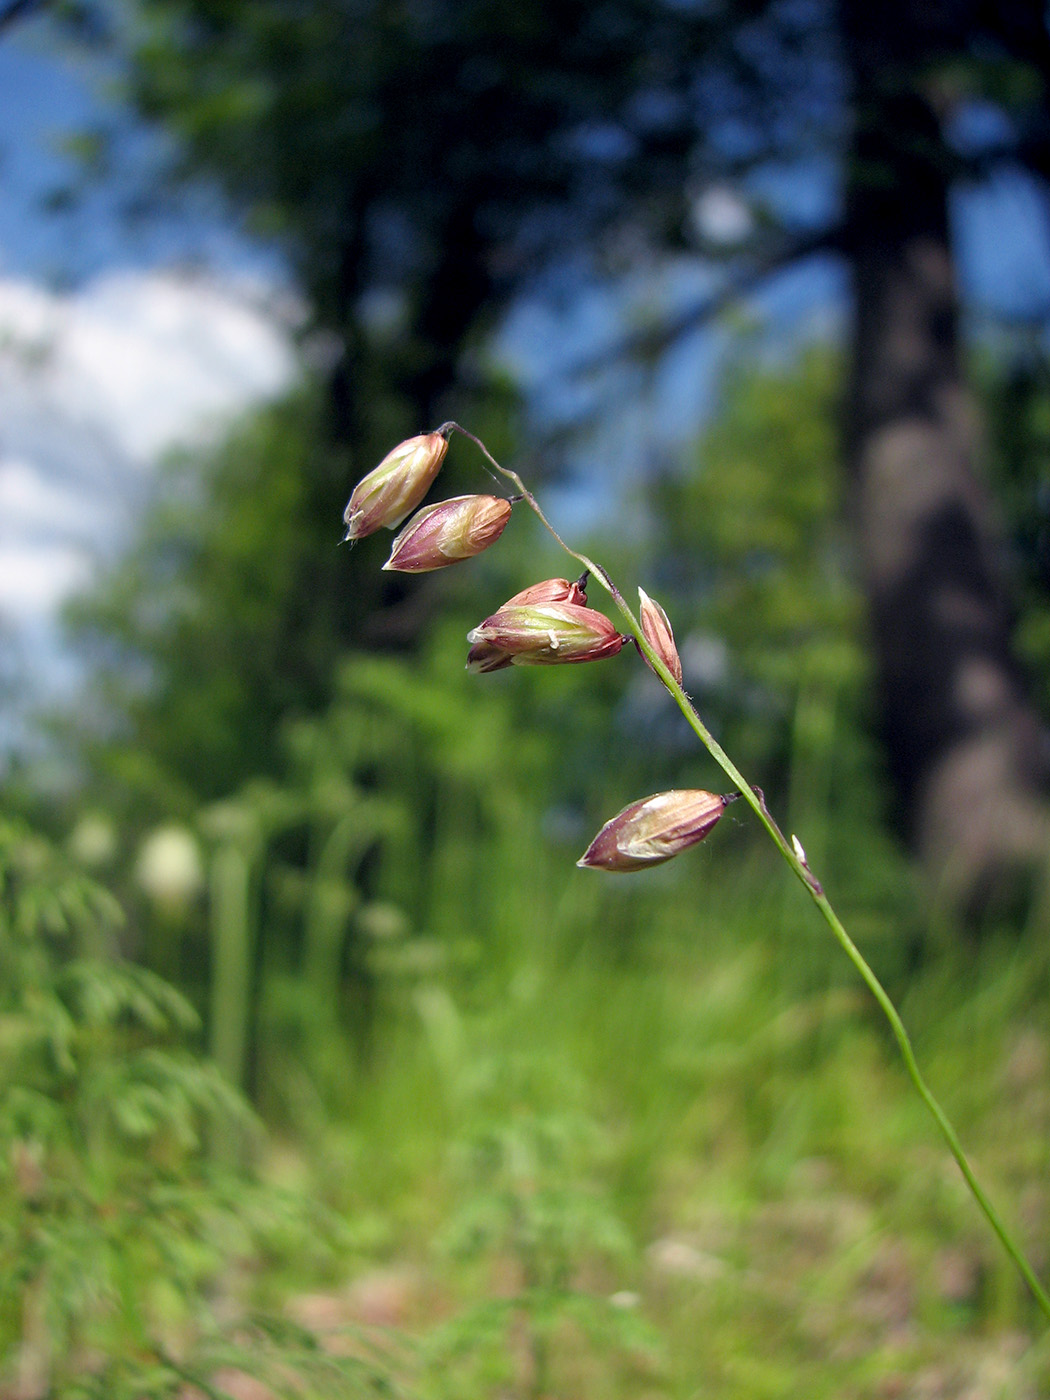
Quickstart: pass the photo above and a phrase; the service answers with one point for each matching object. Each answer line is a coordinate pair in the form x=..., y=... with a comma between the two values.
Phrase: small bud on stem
x=657, y=632
x=655, y=829
x=448, y=533
x=390, y=491
x=551, y=590
x=544, y=634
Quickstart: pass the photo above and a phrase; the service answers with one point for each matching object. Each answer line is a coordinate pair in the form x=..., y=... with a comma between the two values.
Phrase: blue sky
x=46, y=93
x=40, y=98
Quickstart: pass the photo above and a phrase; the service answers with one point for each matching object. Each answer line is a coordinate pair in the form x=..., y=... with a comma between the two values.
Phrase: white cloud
x=164, y=359
x=27, y=313
x=35, y=578
x=150, y=359
x=95, y=385
x=31, y=505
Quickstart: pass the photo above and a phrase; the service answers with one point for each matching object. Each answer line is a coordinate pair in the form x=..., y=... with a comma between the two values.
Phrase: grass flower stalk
x=793, y=854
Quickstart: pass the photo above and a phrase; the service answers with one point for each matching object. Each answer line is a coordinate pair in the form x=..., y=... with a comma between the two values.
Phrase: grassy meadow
x=520, y=1130
x=336, y=1077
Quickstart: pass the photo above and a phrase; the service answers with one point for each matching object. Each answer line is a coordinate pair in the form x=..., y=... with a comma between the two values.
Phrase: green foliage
x=224, y=617
x=391, y=837
x=704, y=1148
x=756, y=543
x=120, y=1237
x=228, y=617
x=532, y=1205
x=760, y=578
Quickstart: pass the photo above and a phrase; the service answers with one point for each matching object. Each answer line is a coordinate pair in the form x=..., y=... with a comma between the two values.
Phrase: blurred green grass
x=611, y=1136
x=737, y=1154
x=585, y=1135
x=784, y=1219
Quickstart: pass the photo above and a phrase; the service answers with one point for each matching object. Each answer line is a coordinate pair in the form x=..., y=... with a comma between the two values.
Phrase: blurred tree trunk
x=965, y=747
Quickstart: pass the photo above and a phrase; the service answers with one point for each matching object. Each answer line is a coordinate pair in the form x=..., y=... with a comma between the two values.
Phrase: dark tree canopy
x=448, y=152
x=424, y=163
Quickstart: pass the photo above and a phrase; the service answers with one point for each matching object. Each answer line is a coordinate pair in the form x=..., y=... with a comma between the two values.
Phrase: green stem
x=232, y=955
x=873, y=984
x=795, y=857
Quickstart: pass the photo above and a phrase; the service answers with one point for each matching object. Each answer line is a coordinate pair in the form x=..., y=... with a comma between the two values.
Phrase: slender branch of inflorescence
x=795, y=858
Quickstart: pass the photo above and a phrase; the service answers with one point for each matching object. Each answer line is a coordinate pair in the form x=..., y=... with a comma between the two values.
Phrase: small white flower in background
x=383, y=921
x=169, y=868
x=625, y=1299
x=93, y=841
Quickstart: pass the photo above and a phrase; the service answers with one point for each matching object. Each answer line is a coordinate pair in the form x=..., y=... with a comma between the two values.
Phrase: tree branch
x=15, y=10
x=653, y=341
